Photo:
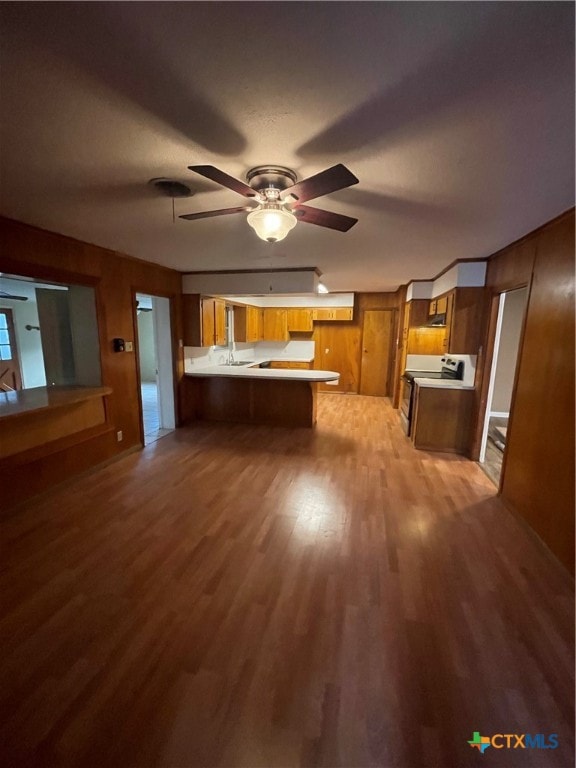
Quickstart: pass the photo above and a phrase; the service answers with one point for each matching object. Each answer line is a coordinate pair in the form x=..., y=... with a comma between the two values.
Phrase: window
x=48, y=334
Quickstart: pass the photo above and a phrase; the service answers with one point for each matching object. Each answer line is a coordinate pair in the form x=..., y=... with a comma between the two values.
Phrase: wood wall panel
x=345, y=342
x=538, y=477
x=45, y=255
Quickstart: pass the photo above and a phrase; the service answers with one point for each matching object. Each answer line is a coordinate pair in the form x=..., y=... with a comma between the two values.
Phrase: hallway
x=245, y=596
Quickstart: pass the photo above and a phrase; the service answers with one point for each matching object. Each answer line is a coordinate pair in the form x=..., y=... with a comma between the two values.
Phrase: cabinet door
x=220, y=336
x=441, y=305
x=467, y=311
x=449, y=314
x=300, y=320
x=343, y=313
x=432, y=308
x=442, y=419
x=426, y=341
x=333, y=313
x=254, y=324
x=289, y=365
x=275, y=325
x=191, y=320
x=208, y=325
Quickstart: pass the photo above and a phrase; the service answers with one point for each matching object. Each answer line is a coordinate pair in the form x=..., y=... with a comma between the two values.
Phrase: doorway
x=155, y=366
x=509, y=323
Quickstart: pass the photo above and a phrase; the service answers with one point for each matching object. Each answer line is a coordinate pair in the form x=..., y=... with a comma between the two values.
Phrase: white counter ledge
x=247, y=372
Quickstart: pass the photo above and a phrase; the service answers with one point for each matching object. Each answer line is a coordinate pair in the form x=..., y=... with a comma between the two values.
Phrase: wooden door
x=338, y=349
x=10, y=375
x=376, y=353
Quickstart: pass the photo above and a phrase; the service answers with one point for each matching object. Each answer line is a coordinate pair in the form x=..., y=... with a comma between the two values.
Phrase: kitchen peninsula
x=252, y=395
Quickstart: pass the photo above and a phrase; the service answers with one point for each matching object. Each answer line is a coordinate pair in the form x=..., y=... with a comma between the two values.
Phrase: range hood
x=436, y=321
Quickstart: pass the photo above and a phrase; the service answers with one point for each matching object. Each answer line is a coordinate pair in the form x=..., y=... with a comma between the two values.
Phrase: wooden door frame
x=13, y=344
x=486, y=368
x=172, y=299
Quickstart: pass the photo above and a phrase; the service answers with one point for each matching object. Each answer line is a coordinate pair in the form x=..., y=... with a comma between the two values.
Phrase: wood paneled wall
x=538, y=476
x=33, y=252
x=345, y=339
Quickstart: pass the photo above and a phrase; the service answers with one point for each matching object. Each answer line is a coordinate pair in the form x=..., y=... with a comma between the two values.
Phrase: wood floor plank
x=248, y=596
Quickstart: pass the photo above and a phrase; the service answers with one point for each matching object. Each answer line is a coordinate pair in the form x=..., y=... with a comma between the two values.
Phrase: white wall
x=512, y=317
x=146, y=351
x=29, y=342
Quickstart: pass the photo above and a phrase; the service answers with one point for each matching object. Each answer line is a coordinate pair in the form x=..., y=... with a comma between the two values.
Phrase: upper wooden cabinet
x=204, y=321
x=432, y=308
x=441, y=305
x=333, y=313
x=464, y=313
x=275, y=324
x=213, y=322
x=247, y=324
x=426, y=341
x=300, y=320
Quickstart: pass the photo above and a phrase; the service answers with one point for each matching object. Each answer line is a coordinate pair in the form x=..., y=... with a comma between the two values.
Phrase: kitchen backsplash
x=434, y=363
x=197, y=357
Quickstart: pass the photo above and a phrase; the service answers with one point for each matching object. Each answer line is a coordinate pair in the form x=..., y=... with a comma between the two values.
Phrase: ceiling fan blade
x=4, y=295
x=221, y=212
x=337, y=177
x=324, y=218
x=215, y=174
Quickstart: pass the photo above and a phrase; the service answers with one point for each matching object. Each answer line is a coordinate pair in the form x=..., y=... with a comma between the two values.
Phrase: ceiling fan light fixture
x=271, y=222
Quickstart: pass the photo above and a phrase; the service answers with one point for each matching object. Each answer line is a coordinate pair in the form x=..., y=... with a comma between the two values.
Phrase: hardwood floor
x=247, y=596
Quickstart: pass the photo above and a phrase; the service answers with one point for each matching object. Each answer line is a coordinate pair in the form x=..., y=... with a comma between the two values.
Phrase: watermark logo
x=481, y=743
x=513, y=741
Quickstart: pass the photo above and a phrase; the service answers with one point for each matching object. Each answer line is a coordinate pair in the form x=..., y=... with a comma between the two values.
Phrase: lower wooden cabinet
x=441, y=419
x=290, y=365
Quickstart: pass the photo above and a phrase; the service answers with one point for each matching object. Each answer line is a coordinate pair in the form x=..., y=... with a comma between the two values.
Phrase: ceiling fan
x=279, y=198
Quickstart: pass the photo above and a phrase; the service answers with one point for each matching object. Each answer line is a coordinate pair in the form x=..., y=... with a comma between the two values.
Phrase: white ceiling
x=457, y=118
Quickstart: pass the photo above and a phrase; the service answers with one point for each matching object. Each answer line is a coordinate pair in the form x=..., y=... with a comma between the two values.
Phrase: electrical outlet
x=119, y=436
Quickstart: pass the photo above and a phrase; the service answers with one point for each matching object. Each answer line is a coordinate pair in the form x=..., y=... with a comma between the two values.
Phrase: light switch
x=129, y=346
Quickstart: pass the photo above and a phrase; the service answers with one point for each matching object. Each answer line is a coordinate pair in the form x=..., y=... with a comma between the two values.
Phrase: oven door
x=405, y=405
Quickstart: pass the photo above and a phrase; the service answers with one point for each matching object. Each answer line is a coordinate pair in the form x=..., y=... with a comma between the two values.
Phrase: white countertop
x=252, y=372
x=442, y=383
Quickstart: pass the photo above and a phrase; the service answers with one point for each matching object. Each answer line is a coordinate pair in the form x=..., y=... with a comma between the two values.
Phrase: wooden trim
x=533, y=233
x=13, y=268
x=254, y=271
x=83, y=243
x=447, y=269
